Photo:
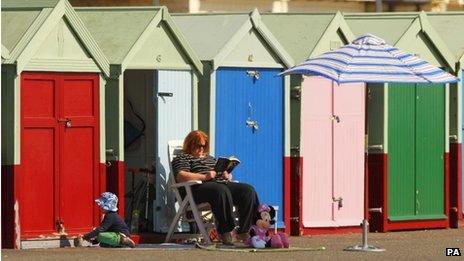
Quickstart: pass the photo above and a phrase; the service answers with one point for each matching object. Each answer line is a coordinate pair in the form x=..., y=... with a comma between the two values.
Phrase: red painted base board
x=329, y=230
x=287, y=193
x=377, y=169
x=455, y=183
x=296, y=166
x=9, y=237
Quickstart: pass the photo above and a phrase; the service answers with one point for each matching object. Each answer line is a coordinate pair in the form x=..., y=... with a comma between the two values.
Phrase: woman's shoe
x=226, y=239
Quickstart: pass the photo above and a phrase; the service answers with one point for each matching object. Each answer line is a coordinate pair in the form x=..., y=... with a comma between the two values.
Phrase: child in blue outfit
x=113, y=231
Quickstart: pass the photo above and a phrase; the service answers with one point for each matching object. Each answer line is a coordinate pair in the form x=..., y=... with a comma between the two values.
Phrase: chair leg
x=199, y=221
x=172, y=227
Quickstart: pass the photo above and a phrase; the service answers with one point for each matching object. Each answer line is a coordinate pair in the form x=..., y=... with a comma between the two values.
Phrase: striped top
x=370, y=59
x=187, y=162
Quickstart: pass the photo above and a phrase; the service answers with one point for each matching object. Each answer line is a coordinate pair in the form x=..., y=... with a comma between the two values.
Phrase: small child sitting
x=112, y=232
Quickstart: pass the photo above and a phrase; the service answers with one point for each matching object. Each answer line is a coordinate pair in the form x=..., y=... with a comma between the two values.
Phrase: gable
x=61, y=47
x=333, y=39
x=379, y=26
x=419, y=44
x=160, y=50
x=298, y=33
x=251, y=51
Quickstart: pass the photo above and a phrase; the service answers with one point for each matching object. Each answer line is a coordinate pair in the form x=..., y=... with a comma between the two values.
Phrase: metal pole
x=364, y=247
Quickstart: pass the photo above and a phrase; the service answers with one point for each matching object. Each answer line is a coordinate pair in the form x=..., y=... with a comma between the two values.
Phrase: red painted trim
x=455, y=192
x=295, y=195
x=9, y=236
x=300, y=197
x=115, y=182
x=287, y=193
x=330, y=230
x=377, y=169
x=447, y=187
x=418, y=224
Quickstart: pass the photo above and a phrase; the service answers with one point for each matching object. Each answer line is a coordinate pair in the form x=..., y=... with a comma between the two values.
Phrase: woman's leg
x=246, y=200
x=220, y=199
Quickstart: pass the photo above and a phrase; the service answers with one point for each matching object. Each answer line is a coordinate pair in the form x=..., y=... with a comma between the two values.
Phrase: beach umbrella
x=369, y=59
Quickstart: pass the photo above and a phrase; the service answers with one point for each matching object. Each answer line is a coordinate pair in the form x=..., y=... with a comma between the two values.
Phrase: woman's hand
x=210, y=175
x=227, y=175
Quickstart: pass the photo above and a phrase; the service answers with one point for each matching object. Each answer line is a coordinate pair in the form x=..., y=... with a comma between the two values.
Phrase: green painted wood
x=430, y=149
x=401, y=161
x=416, y=131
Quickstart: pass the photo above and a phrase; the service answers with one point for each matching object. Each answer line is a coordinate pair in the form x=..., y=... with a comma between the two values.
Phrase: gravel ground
x=412, y=245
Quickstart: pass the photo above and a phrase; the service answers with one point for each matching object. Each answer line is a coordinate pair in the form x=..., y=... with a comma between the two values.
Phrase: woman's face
x=200, y=148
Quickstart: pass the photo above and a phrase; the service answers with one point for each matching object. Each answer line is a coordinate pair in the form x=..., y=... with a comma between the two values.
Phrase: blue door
x=249, y=125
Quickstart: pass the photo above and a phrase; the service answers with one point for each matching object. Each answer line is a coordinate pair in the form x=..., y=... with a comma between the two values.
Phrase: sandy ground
x=412, y=245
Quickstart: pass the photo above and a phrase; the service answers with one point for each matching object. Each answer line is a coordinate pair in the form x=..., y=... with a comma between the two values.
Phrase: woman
x=196, y=164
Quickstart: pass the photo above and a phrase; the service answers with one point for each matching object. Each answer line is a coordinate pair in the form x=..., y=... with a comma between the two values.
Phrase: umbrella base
x=362, y=248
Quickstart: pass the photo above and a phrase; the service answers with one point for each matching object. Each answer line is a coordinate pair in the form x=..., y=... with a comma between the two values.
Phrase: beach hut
x=151, y=99
x=449, y=27
x=244, y=105
x=408, y=128
x=327, y=129
x=53, y=131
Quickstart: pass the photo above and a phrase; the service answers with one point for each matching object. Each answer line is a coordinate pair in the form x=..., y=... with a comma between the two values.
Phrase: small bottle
x=135, y=221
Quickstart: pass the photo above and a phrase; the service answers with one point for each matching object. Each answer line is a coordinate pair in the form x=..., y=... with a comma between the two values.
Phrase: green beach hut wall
x=154, y=75
x=53, y=123
x=243, y=104
x=328, y=190
x=408, y=131
x=449, y=26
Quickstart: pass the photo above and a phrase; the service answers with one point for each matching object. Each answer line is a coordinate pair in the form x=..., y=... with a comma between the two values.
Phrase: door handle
x=66, y=121
x=339, y=200
x=336, y=118
x=165, y=94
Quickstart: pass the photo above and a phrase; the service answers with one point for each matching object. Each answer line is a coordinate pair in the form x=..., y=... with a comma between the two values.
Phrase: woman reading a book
x=196, y=164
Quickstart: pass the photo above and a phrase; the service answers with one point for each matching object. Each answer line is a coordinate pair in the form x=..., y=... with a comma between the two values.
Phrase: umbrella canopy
x=369, y=59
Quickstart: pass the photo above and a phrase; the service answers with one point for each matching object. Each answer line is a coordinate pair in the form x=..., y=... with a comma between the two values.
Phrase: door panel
x=401, y=150
x=430, y=150
x=37, y=206
x=63, y=161
x=348, y=159
x=173, y=122
x=241, y=97
x=79, y=177
x=316, y=139
x=39, y=149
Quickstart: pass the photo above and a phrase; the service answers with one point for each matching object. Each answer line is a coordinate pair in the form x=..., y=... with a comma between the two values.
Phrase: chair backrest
x=174, y=149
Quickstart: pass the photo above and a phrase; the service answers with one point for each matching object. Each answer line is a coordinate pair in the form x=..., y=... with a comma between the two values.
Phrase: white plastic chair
x=202, y=214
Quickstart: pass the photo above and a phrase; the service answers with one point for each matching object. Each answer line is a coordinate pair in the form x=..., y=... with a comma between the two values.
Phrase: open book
x=226, y=164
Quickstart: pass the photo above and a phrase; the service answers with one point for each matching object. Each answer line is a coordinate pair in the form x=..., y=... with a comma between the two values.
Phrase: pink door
x=332, y=139
x=348, y=159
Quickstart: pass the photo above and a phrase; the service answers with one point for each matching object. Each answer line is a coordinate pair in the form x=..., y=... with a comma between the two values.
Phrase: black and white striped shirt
x=187, y=162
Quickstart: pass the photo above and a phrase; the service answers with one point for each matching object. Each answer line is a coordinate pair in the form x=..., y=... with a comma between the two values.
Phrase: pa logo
x=453, y=251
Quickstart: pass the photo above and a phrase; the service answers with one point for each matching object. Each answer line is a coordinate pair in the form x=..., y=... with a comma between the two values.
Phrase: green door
x=416, y=136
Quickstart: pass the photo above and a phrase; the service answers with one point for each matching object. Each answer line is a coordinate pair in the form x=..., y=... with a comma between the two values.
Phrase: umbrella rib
x=408, y=66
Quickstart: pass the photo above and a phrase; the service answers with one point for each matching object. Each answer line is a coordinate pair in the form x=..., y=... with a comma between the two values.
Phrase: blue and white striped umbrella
x=369, y=59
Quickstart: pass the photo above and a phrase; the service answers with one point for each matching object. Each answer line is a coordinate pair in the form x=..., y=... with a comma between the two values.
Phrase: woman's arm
x=184, y=176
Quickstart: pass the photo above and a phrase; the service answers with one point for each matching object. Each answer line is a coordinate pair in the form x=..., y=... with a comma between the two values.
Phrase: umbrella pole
x=365, y=247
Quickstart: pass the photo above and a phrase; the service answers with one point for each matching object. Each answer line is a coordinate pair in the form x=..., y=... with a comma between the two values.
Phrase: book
x=226, y=164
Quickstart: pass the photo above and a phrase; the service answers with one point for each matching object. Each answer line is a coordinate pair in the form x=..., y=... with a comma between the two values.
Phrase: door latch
x=252, y=124
x=339, y=200
x=254, y=74
x=66, y=121
x=336, y=118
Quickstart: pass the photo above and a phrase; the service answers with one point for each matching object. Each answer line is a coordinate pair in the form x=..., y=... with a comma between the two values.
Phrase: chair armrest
x=187, y=183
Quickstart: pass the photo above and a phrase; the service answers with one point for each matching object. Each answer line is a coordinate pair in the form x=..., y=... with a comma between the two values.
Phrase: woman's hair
x=193, y=140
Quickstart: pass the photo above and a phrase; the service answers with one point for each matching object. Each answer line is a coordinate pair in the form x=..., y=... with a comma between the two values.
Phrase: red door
x=59, y=152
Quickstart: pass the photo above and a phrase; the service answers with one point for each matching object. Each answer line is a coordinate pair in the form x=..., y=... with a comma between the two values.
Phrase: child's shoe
x=127, y=241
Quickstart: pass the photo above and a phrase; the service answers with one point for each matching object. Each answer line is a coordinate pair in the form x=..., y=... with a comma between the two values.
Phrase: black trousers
x=222, y=197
